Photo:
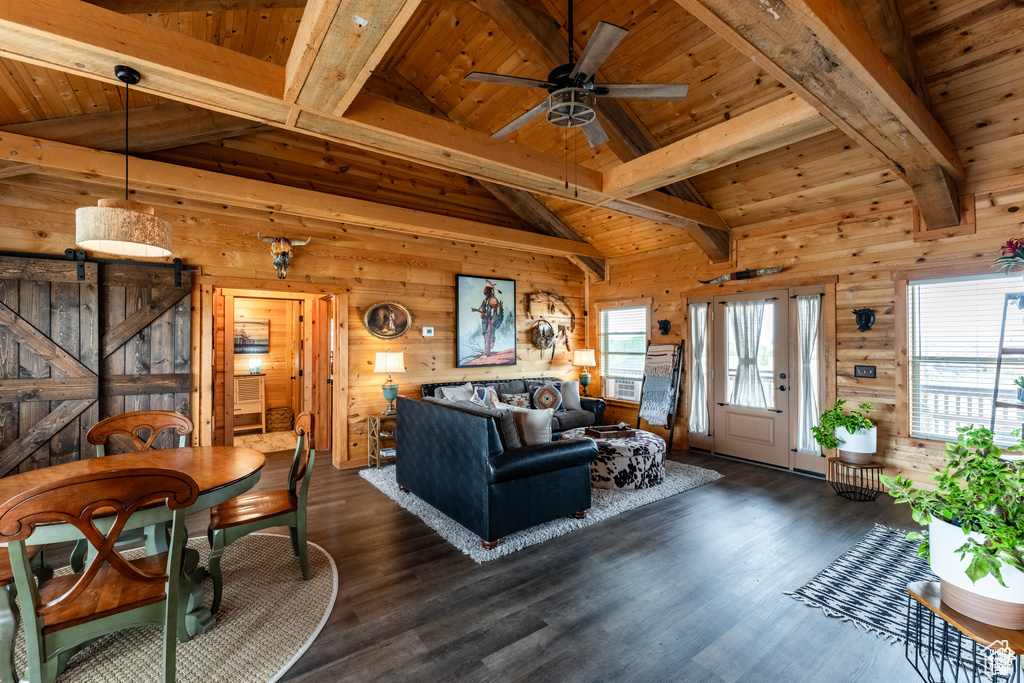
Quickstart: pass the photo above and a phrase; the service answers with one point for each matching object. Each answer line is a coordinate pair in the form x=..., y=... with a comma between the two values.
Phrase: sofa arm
x=527, y=461
x=594, y=405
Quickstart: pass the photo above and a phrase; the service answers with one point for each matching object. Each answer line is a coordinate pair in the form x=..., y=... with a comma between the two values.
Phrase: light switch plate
x=867, y=371
x=428, y=331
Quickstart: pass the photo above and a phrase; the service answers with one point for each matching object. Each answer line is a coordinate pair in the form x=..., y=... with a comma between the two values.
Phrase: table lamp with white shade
x=585, y=359
x=390, y=361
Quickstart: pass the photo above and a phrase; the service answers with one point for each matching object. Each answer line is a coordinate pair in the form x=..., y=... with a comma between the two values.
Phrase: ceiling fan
x=572, y=92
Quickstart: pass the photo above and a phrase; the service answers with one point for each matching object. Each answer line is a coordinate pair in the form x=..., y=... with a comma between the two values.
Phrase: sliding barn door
x=145, y=342
x=49, y=359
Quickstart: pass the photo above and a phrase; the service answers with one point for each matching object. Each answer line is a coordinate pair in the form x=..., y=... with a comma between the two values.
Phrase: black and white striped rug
x=868, y=584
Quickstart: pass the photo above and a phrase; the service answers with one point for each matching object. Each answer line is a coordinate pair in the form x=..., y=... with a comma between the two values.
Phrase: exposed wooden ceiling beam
x=338, y=44
x=172, y=180
x=12, y=169
x=772, y=126
x=817, y=49
x=82, y=39
x=529, y=208
x=154, y=6
x=539, y=38
x=159, y=127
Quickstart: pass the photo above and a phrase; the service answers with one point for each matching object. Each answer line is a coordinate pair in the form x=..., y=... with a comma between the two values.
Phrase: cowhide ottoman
x=637, y=462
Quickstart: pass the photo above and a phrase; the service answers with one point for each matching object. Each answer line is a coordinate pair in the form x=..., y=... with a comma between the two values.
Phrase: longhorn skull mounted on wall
x=281, y=248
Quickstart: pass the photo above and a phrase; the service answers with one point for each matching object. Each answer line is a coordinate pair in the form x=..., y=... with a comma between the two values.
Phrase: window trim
x=599, y=307
x=901, y=280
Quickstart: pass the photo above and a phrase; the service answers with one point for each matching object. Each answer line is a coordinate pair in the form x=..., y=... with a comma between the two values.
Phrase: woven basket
x=279, y=419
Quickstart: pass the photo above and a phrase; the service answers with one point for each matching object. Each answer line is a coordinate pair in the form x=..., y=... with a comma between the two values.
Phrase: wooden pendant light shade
x=121, y=227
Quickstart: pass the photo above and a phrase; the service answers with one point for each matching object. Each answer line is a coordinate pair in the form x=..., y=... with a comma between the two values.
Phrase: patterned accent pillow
x=547, y=396
x=485, y=396
x=517, y=400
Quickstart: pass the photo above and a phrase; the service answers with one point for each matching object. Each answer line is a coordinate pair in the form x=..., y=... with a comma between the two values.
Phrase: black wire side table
x=944, y=646
x=854, y=481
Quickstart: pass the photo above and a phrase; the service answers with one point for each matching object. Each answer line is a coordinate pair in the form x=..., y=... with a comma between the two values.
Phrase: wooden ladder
x=1005, y=351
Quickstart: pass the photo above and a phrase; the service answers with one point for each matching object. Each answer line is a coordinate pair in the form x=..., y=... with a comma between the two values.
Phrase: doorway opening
x=273, y=356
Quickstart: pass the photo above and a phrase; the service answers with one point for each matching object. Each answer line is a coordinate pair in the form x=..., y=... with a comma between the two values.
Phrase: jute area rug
x=605, y=504
x=868, y=584
x=268, y=617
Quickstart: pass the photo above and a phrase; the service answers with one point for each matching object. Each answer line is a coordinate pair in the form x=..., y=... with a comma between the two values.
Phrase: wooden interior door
x=49, y=361
x=758, y=434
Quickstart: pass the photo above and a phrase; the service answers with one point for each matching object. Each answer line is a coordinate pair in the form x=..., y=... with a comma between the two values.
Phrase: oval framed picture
x=387, y=320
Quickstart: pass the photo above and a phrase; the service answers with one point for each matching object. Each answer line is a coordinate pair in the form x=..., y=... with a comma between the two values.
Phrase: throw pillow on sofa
x=516, y=400
x=485, y=396
x=571, y=395
x=463, y=392
x=547, y=396
x=534, y=426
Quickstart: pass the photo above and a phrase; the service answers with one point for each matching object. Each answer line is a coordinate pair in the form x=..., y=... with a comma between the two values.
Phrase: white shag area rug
x=268, y=617
x=605, y=503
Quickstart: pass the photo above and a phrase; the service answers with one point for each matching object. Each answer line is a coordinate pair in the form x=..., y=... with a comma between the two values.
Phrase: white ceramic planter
x=946, y=563
x=858, y=446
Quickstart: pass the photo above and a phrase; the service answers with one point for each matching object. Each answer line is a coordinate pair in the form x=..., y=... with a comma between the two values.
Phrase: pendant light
x=120, y=226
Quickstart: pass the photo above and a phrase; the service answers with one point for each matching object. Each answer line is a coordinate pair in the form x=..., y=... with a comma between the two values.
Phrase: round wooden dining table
x=222, y=473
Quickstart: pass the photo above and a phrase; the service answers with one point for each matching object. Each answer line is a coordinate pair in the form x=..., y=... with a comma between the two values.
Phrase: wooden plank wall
x=373, y=265
x=863, y=253
x=279, y=365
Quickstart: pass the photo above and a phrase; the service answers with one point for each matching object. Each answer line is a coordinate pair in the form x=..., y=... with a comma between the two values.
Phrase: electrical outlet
x=428, y=331
x=867, y=371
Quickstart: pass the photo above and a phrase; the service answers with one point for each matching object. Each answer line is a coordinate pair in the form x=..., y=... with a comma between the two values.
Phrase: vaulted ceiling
x=792, y=108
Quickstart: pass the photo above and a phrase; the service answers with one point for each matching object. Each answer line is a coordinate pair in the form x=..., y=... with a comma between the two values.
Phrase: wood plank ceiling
x=334, y=139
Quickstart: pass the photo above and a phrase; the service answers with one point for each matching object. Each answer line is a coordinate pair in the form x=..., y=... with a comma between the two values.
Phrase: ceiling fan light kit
x=572, y=92
x=120, y=226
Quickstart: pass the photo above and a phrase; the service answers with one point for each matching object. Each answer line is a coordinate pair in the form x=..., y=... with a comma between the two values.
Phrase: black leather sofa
x=456, y=461
x=592, y=413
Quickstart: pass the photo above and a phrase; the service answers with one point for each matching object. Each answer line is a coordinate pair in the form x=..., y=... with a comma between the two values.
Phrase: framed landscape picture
x=485, y=321
x=387, y=320
x=252, y=335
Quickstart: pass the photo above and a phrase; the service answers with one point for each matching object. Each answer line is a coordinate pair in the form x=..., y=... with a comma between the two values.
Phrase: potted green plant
x=1013, y=256
x=1020, y=388
x=975, y=518
x=851, y=432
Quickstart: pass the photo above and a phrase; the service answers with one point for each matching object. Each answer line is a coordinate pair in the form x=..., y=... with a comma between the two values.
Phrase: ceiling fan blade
x=644, y=91
x=603, y=41
x=520, y=120
x=506, y=80
x=595, y=133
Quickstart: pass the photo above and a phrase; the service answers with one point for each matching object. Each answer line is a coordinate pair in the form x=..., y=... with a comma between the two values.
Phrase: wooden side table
x=852, y=481
x=380, y=444
x=944, y=645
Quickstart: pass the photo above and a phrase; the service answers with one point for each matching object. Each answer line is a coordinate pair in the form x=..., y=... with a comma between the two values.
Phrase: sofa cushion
x=570, y=419
x=503, y=419
x=485, y=396
x=571, y=395
x=515, y=386
x=517, y=400
x=547, y=396
x=462, y=392
x=534, y=425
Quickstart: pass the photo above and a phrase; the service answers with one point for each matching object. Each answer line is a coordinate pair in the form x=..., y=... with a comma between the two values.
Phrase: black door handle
x=782, y=387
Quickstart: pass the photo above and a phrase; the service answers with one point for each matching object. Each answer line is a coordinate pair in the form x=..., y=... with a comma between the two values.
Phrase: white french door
x=750, y=362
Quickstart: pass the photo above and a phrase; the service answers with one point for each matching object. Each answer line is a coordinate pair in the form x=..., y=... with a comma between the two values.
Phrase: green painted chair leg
x=213, y=567
x=10, y=617
x=300, y=533
x=294, y=534
x=78, y=555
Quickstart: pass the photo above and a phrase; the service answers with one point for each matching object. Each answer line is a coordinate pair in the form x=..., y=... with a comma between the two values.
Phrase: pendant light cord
x=127, y=88
x=569, y=41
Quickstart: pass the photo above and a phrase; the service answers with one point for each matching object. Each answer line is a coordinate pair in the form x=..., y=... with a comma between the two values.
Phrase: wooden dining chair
x=243, y=515
x=67, y=612
x=10, y=616
x=154, y=423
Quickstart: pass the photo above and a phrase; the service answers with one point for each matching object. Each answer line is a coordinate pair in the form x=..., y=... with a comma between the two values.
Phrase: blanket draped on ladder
x=658, y=395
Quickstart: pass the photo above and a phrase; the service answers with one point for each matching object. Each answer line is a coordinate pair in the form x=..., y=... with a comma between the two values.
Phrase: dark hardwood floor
x=686, y=589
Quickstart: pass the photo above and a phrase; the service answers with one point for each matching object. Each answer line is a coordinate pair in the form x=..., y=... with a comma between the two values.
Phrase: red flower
x=1013, y=247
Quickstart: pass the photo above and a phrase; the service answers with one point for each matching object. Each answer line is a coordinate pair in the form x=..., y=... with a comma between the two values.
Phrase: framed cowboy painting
x=485, y=321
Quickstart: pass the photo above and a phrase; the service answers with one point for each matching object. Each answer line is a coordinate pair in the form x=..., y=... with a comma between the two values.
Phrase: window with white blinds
x=953, y=336
x=623, y=347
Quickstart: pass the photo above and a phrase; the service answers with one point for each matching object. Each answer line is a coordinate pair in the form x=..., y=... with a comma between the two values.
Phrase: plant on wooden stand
x=837, y=428
x=979, y=499
x=1013, y=256
x=1020, y=388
